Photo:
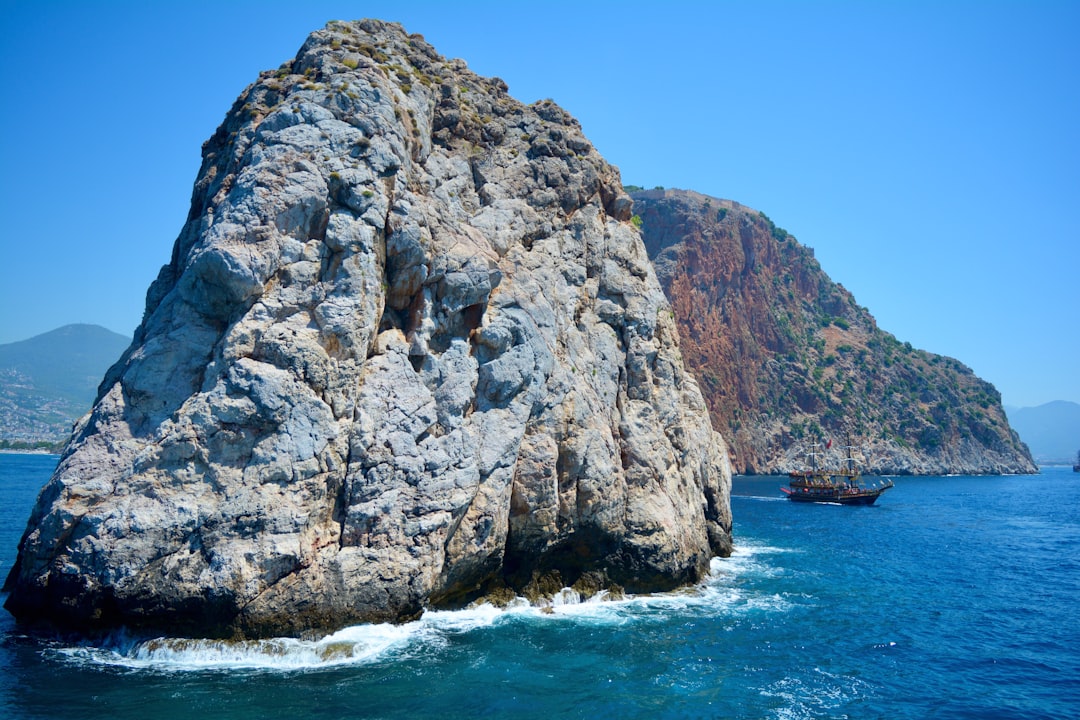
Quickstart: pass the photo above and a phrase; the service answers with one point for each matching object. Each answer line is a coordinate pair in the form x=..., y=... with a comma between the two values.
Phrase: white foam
x=467, y=619
x=721, y=593
x=566, y=596
x=350, y=646
x=815, y=693
x=752, y=548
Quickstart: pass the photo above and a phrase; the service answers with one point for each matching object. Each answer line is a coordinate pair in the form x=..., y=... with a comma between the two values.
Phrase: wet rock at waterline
x=409, y=350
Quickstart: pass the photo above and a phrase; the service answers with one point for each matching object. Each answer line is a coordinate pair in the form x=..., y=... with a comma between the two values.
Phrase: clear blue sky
x=929, y=152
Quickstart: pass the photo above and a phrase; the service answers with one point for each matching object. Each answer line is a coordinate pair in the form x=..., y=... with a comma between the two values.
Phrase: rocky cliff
x=408, y=350
x=786, y=356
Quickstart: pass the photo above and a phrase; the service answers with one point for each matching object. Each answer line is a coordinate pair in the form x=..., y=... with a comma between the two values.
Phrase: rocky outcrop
x=409, y=350
x=786, y=356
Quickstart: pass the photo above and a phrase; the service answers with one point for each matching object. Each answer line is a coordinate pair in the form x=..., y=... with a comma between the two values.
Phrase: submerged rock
x=409, y=350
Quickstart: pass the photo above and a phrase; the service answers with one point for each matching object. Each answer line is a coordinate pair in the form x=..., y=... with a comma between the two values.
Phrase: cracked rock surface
x=786, y=357
x=408, y=351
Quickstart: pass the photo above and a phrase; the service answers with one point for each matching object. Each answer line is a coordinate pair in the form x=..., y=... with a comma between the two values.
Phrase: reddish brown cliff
x=785, y=355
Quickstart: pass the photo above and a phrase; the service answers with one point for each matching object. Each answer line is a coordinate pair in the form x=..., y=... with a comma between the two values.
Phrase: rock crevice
x=786, y=356
x=408, y=349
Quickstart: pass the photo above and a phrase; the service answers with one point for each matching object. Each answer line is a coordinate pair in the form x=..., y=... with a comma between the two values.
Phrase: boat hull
x=862, y=498
x=843, y=486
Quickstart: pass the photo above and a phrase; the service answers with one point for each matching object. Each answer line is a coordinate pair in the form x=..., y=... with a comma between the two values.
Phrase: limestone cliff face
x=785, y=355
x=409, y=350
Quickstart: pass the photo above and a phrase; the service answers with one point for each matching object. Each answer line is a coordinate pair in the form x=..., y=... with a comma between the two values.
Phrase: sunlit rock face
x=786, y=357
x=408, y=351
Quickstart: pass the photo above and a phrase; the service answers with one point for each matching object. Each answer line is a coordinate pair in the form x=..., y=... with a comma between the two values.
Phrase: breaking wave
x=718, y=595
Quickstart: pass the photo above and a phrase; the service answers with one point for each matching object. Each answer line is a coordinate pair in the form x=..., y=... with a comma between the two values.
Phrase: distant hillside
x=1052, y=431
x=50, y=380
x=785, y=355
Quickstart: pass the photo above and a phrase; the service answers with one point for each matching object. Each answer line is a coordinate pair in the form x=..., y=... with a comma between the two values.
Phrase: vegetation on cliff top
x=784, y=354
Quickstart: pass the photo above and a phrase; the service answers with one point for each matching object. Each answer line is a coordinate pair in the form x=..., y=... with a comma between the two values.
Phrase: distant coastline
x=36, y=448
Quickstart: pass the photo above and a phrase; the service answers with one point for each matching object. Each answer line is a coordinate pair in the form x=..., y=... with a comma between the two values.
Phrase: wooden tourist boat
x=843, y=487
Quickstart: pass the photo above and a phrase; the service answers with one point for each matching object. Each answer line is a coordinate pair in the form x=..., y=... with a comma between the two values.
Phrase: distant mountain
x=1052, y=430
x=785, y=356
x=50, y=380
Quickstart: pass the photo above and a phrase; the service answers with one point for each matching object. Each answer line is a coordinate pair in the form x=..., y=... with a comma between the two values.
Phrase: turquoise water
x=951, y=598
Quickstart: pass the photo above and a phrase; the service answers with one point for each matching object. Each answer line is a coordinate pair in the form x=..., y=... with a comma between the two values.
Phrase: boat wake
x=760, y=498
x=721, y=594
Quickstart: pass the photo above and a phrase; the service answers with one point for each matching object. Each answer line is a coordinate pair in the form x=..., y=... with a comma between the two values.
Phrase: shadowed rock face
x=785, y=355
x=408, y=350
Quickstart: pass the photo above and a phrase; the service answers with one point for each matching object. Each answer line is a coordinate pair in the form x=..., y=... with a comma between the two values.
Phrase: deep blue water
x=952, y=597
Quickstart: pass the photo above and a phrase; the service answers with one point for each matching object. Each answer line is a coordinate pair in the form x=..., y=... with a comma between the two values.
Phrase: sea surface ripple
x=952, y=597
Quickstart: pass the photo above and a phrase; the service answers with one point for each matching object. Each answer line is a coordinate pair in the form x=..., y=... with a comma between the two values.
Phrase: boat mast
x=813, y=455
x=849, y=459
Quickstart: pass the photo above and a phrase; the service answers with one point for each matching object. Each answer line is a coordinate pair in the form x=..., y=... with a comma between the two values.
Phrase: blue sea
x=953, y=597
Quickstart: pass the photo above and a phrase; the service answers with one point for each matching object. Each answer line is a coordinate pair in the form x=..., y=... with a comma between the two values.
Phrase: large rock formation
x=785, y=355
x=409, y=350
